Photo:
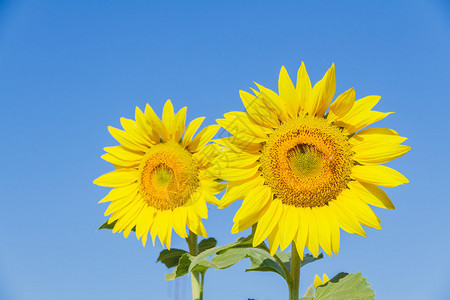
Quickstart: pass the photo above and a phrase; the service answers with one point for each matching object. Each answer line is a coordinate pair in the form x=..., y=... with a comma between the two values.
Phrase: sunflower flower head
x=305, y=166
x=162, y=178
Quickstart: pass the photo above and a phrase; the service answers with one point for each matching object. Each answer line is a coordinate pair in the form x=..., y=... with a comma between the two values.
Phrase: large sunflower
x=304, y=172
x=162, y=178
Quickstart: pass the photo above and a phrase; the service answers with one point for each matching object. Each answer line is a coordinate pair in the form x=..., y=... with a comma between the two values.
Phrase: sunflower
x=303, y=172
x=162, y=178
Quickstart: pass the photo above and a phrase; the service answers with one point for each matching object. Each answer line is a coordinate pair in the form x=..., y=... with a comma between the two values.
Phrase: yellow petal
x=272, y=101
x=132, y=129
x=231, y=159
x=312, y=242
x=288, y=93
x=118, y=178
x=239, y=145
x=144, y=221
x=155, y=122
x=255, y=200
x=346, y=218
x=179, y=221
x=233, y=174
x=274, y=240
x=125, y=154
x=330, y=215
x=179, y=124
x=195, y=223
x=317, y=281
x=267, y=222
x=190, y=130
x=362, y=105
x=119, y=192
x=342, y=105
x=323, y=92
x=200, y=208
x=304, y=89
x=258, y=112
x=145, y=126
x=203, y=137
x=379, y=175
x=239, y=191
x=241, y=127
x=126, y=140
x=361, y=121
x=371, y=194
x=323, y=229
x=288, y=226
x=381, y=154
x=119, y=162
x=121, y=203
x=168, y=117
x=360, y=209
x=302, y=233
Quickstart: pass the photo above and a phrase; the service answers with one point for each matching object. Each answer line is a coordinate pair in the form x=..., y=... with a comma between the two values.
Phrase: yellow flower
x=162, y=178
x=304, y=173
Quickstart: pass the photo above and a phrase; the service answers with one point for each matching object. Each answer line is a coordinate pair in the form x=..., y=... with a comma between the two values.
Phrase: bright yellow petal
x=126, y=140
x=119, y=192
x=288, y=93
x=323, y=229
x=118, y=178
x=258, y=112
x=155, y=122
x=232, y=174
x=145, y=126
x=240, y=190
x=371, y=194
x=190, y=131
x=125, y=154
x=132, y=129
x=379, y=175
x=267, y=222
x=179, y=124
x=255, y=200
x=118, y=162
x=342, y=105
x=317, y=281
x=204, y=136
x=273, y=102
x=238, y=145
x=302, y=233
x=347, y=220
x=168, y=117
x=288, y=225
x=304, y=89
x=179, y=221
x=312, y=242
x=360, y=209
x=323, y=92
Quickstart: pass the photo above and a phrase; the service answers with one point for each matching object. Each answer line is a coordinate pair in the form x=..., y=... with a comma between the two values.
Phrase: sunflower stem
x=295, y=273
x=197, y=291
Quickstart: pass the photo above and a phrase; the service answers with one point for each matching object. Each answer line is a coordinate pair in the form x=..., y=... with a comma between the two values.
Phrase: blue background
x=68, y=69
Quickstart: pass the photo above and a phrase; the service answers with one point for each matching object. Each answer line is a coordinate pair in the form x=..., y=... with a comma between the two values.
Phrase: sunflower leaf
x=107, y=226
x=183, y=267
x=170, y=257
x=111, y=226
x=345, y=286
x=206, y=244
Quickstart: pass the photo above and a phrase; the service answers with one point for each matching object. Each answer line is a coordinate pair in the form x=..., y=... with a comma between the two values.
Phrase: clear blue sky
x=68, y=69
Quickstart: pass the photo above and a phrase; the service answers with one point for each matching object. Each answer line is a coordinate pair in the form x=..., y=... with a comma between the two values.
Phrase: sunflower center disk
x=168, y=176
x=307, y=162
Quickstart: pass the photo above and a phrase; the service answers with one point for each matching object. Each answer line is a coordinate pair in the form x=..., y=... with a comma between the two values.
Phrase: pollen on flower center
x=168, y=176
x=307, y=162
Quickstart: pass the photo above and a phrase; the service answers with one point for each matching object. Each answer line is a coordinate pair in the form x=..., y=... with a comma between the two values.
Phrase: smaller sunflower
x=162, y=178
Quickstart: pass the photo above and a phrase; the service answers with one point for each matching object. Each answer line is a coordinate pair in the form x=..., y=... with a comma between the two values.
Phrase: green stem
x=295, y=273
x=201, y=285
x=197, y=292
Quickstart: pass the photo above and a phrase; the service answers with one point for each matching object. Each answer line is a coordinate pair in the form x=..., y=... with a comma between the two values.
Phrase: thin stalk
x=197, y=292
x=295, y=273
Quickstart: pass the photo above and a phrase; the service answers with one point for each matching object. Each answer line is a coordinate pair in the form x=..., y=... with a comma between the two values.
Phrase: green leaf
x=309, y=292
x=345, y=286
x=183, y=267
x=111, y=226
x=170, y=257
x=206, y=244
x=308, y=258
x=107, y=226
x=262, y=261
